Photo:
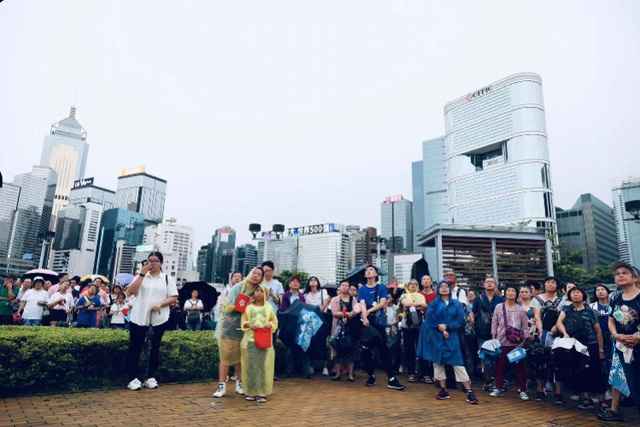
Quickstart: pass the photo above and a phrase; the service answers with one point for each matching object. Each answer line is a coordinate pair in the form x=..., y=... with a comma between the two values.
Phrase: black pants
x=410, y=341
x=137, y=335
x=375, y=338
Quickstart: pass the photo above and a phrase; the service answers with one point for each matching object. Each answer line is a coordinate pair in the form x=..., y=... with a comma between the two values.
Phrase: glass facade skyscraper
x=9, y=196
x=396, y=220
x=121, y=231
x=628, y=228
x=140, y=192
x=65, y=151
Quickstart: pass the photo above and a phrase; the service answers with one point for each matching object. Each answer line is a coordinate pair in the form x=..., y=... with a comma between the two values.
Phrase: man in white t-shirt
x=456, y=291
x=155, y=292
x=33, y=302
x=276, y=290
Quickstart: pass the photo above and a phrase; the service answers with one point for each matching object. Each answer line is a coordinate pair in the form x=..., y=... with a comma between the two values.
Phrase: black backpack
x=576, y=325
x=549, y=313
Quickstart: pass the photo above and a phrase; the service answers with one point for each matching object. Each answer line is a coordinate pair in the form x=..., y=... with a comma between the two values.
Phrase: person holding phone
x=155, y=292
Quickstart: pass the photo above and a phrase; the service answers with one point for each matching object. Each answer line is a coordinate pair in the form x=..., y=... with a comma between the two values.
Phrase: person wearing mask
x=155, y=292
x=193, y=308
x=6, y=298
x=118, y=311
x=88, y=306
x=624, y=326
x=373, y=298
x=440, y=343
x=59, y=304
x=33, y=302
x=292, y=294
x=546, y=306
x=229, y=344
x=274, y=287
x=413, y=306
x=579, y=321
x=510, y=326
x=482, y=316
x=345, y=331
x=258, y=361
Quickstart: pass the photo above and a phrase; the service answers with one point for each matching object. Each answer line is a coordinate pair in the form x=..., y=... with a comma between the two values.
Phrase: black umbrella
x=206, y=292
x=356, y=276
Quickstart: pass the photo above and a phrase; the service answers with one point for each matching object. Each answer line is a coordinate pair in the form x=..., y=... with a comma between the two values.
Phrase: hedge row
x=42, y=359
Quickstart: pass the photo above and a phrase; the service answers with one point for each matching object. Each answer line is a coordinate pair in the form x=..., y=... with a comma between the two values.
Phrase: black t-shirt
x=626, y=314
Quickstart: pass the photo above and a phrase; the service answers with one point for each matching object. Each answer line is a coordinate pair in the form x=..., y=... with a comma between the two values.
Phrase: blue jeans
x=32, y=322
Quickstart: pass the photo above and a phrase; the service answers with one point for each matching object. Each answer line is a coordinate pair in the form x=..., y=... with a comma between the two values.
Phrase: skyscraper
x=417, y=185
x=169, y=237
x=498, y=170
x=396, y=218
x=140, y=192
x=9, y=196
x=245, y=258
x=224, y=244
x=589, y=229
x=33, y=217
x=65, y=151
x=76, y=240
x=121, y=231
x=204, y=263
x=85, y=190
x=627, y=223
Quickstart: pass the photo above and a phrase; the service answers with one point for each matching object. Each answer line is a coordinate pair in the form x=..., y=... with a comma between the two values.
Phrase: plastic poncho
x=432, y=345
x=257, y=364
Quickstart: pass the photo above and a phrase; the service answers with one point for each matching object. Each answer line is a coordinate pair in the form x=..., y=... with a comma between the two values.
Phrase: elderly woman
x=413, y=305
x=231, y=333
x=439, y=341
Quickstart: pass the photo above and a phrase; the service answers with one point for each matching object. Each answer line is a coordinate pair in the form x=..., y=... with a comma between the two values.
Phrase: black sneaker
x=609, y=415
x=394, y=384
x=371, y=381
x=471, y=397
x=540, y=396
x=558, y=399
x=443, y=394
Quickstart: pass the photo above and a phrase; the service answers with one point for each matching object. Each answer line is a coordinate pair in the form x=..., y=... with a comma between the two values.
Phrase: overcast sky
x=308, y=112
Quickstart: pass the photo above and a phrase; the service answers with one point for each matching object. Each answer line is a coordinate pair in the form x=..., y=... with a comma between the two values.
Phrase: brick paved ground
x=296, y=402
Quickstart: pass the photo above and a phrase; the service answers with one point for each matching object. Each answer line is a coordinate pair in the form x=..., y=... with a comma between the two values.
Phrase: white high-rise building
x=627, y=227
x=143, y=193
x=402, y=265
x=169, y=237
x=498, y=170
x=84, y=191
x=76, y=240
x=9, y=196
x=65, y=151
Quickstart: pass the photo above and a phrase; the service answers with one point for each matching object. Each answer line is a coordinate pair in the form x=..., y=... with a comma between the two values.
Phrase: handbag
x=513, y=334
x=242, y=302
x=263, y=338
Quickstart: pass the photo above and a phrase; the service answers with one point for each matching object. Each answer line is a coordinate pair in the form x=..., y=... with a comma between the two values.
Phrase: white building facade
x=627, y=227
x=175, y=241
x=497, y=156
x=65, y=150
x=140, y=192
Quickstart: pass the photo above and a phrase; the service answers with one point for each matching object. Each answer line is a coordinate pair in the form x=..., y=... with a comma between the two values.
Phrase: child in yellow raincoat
x=257, y=364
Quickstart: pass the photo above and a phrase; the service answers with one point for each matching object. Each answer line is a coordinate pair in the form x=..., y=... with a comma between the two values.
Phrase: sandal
x=261, y=399
x=250, y=398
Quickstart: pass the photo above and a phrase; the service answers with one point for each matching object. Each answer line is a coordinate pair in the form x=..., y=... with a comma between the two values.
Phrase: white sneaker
x=134, y=384
x=239, y=389
x=524, y=395
x=150, y=383
x=220, y=391
x=325, y=372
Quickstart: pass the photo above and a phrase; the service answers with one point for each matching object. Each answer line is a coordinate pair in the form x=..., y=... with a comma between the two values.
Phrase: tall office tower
x=204, y=262
x=396, y=218
x=121, y=231
x=588, y=229
x=143, y=193
x=169, y=237
x=245, y=258
x=31, y=232
x=498, y=170
x=84, y=190
x=65, y=151
x=626, y=207
x=223, y=244
x=76, y=241
x=9, y=196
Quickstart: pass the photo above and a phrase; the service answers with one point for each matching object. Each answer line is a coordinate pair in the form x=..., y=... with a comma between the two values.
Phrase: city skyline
x=353, y=116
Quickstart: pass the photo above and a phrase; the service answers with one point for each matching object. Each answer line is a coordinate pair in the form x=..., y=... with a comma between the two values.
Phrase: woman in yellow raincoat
x=258, y=363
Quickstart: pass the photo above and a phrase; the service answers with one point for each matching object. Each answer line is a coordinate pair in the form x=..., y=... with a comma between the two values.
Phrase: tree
x=570, y=269
x=286, y=275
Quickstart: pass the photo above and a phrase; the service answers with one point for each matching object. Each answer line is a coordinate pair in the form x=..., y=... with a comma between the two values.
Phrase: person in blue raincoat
x=439, y=341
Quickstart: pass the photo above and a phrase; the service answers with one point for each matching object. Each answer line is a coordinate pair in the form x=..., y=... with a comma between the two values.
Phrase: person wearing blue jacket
x=439, y=341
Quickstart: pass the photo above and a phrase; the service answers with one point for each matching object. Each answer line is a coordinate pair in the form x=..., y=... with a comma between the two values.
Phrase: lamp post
x=276, y=233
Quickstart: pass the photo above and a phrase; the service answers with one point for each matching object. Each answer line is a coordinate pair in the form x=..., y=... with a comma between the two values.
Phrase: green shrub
x=41, y=359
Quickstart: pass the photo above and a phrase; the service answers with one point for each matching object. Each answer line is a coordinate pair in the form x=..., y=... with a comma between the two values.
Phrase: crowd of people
x=542, y=340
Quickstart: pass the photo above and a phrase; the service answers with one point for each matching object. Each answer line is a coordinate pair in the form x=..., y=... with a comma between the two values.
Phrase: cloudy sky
x=308, y=112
